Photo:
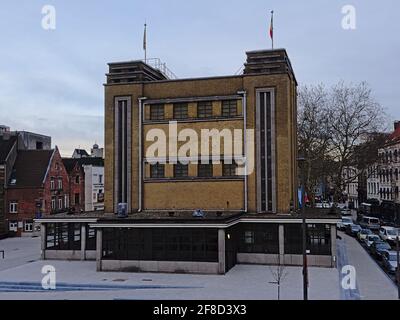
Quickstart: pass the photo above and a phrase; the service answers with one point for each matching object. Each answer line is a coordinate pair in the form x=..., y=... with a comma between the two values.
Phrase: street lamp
x=301, y=161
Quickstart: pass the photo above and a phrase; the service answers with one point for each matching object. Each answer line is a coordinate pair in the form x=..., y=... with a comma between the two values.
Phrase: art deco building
x=192, y=204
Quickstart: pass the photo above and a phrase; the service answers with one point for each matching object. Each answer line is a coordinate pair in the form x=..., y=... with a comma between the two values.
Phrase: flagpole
x=272, y=28
x=145, y=42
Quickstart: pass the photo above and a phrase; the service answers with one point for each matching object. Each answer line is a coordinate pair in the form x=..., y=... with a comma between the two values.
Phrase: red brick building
x=39, y=185
x=76, y=176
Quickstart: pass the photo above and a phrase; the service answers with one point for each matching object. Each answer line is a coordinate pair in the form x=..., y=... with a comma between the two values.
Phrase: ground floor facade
x=188, y=246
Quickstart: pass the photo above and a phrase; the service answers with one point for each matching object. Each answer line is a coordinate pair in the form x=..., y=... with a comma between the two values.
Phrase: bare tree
x=354, y=115
x=279, y=275
x=313, y=136
x=339, y=132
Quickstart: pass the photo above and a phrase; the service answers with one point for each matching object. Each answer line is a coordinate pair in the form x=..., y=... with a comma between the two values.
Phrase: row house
x=86, y=183
x=38, y=185
x=389, y=167
x=384, y=177
x=8, y=154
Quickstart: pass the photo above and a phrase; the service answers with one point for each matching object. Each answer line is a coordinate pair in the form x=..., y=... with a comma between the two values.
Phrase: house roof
x=70, y=163
x=81, y=152
x=394, y=137
x=30, y=168
x=6, y=146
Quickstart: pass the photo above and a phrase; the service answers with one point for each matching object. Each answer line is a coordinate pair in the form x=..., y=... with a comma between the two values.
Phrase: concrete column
x=99, y=248
x=281, y=243
x=43, y=239
x=221, y=251
x=83, y=242
x=333, y=244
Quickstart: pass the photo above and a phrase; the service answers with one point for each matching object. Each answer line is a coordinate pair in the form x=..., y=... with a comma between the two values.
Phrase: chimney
x=396, y=125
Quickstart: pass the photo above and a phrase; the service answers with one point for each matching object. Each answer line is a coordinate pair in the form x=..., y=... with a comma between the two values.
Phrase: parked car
x=370, y=239
x=353, y=229
x=388, y=234
x=378, y=248
x=389, y=259
x=344, y=223
x=363, y=234
x=370, y=223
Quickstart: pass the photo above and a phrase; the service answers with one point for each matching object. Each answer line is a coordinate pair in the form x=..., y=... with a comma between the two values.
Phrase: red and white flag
x=271, y=28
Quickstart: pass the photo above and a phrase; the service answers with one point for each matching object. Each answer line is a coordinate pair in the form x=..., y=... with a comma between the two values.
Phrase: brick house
x=8, y=154
x=76, y=176
x=86, y=183
x=39, y=184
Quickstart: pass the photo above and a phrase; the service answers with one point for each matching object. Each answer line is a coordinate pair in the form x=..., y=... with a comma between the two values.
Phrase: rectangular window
x=28, y=226
x=205, y=170
x=60, y=184
x=157, y=170
x=77, y=179
x=52, y=185
x=181, y=170
x=259, y=238
x=229, y=169
x=60, y=203
x=229, y=108
x=66, y=202
x=157, y=112
x=53, y=203
x=77, y=198
x=63, y=236
x=14, y=207
x=13, y=226
x=180, y=111
x=204, y=110
x=100, y=178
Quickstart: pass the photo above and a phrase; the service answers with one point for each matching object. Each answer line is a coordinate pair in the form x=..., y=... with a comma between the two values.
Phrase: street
x=20, y=278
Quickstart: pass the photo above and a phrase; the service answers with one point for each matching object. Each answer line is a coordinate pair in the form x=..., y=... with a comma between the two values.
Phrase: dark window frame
x=157, y=171
x=229, y=108
x=205, y=170
x=157, y=112
x=229, y=169
x=181, y=170
x=205, y=109
x=181, y=111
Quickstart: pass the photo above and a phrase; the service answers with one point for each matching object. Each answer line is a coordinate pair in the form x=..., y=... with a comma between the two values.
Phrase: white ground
x=22, y=267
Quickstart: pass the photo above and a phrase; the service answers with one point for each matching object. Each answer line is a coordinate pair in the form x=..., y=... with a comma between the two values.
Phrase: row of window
x=256, y=238
x=160, y=244
x=390, y=156
x=59, y=203
x=53, y=183
x=373, y=187
x=389, y=193
x=204, y=110
x=68, y=236
x=27, y=225
x=157, y=170
x=388, y=175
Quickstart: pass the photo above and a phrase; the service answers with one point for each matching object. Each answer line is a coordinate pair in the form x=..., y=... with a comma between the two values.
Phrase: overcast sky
x=51, y=82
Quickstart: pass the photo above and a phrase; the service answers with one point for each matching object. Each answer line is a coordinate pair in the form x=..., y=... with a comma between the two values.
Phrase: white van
x=371, y=223
x=388, y=234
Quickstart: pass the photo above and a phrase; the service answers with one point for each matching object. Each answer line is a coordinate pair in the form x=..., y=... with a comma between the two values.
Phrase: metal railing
x=156, y=63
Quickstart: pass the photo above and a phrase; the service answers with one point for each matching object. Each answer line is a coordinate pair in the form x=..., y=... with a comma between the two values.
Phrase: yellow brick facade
x=217, y=193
